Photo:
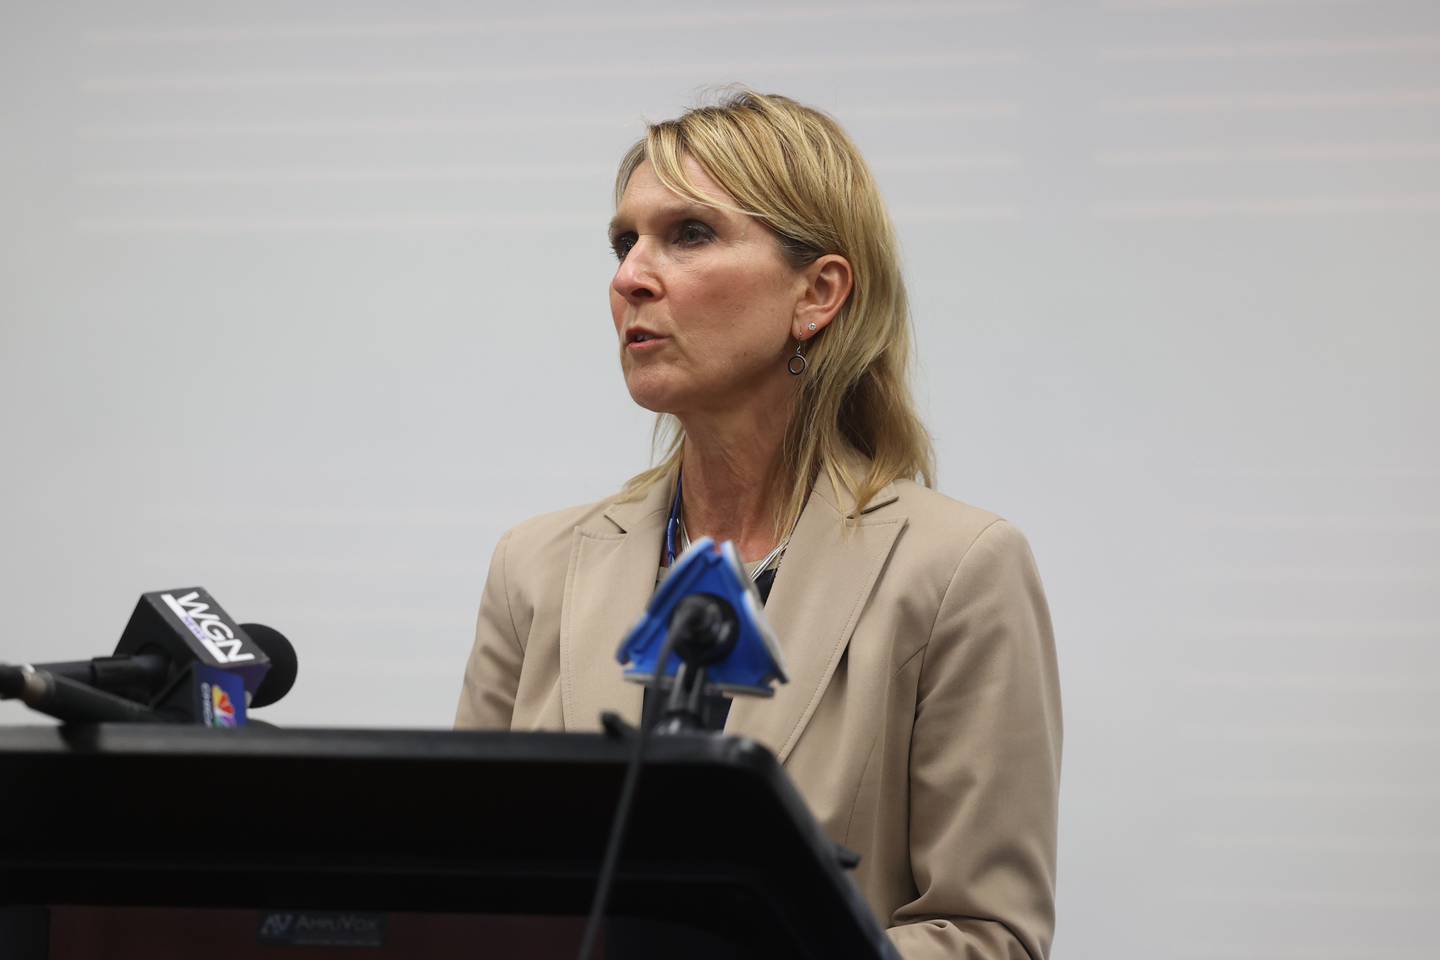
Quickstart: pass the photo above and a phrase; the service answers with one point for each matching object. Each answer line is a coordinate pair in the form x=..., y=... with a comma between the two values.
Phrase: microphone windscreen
x=283, y=663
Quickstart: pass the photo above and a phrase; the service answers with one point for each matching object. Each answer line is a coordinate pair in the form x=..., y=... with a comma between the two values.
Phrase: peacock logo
x=223, y=709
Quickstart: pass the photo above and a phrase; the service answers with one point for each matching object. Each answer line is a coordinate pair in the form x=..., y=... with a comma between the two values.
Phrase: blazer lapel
x=823, y=584
x=613, y=563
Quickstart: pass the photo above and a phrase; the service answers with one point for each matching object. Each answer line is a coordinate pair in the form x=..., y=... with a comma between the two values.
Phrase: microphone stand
x=683, y=705
x=703, y=630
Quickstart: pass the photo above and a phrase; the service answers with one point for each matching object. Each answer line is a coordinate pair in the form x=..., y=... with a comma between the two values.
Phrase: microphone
x=704, y=629
x=708, y=612
x=204, y=695
x=67, y=699
x=187, y=626
x=284, y=666
x=180, y=659
x=140, y=676
x=134, y=677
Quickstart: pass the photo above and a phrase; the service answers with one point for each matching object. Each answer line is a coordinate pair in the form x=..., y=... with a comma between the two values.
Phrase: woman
x=760, y=311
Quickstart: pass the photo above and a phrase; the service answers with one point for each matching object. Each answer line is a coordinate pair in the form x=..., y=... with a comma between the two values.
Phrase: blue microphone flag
x=713, y=569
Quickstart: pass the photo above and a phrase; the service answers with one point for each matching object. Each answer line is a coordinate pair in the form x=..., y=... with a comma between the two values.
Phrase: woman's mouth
x=641, y=342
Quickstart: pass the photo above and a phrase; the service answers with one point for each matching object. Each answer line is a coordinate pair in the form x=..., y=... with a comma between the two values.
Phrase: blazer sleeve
x=492, y=674
x=985, y=765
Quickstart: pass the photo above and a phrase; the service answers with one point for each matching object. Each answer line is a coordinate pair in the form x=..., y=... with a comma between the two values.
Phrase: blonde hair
x=794, y=169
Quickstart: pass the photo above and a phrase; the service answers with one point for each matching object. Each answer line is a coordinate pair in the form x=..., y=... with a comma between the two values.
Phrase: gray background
x=306, y=303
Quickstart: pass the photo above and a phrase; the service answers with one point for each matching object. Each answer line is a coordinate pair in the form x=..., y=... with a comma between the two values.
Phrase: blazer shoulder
x=930, y=508
x=945, y=529
x=553, y=527
x=545, y=539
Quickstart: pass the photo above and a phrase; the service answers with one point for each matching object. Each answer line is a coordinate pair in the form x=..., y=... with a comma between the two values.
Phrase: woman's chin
x=653, y=401
x=653, y=393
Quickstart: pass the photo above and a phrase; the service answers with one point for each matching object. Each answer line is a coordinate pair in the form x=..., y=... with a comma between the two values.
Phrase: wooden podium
x=158, y=841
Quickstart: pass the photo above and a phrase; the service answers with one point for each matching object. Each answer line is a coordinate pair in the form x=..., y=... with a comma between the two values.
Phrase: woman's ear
x=828, y=282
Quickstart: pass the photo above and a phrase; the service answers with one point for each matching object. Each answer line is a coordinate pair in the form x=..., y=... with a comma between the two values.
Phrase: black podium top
x=427, y=822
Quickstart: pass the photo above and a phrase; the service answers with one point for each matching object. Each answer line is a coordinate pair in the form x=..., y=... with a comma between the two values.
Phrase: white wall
x=305, y=302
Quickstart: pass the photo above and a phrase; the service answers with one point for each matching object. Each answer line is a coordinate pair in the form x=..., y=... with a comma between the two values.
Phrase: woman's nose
x=636, y=279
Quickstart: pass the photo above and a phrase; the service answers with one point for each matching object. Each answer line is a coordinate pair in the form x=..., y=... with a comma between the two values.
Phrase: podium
x=262, y=842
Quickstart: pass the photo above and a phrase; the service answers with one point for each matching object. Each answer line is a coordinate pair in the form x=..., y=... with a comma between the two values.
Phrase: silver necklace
x=764, y=564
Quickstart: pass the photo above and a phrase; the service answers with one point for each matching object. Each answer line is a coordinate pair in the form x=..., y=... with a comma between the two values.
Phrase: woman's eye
x=622, y=244
x=693, y=231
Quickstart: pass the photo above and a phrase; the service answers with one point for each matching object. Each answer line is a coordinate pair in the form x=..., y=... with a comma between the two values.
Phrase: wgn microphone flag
x=225, y=666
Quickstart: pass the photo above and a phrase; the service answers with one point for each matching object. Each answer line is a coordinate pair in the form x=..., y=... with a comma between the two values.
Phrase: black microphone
x=141, y=676
x=69, y=700
x=283, y=663
x=189, y=628
x=704, y=629
x=180, y=659
x=132, y=676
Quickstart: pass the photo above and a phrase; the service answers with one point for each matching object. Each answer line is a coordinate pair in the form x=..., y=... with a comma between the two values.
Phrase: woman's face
x=703, y=300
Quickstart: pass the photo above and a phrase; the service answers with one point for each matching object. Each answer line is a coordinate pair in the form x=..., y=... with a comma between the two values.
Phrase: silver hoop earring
x=797, y=368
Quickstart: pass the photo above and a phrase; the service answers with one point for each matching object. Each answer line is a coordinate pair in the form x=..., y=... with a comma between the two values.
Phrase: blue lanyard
x=672, y=530
x=672, y=526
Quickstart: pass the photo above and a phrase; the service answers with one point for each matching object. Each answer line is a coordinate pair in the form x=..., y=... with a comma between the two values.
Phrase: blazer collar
x=640, y=512
x=614, y=561
x=824, y=582
x=825, y=579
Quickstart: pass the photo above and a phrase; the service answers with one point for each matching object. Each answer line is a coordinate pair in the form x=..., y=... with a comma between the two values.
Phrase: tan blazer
x=922, y=718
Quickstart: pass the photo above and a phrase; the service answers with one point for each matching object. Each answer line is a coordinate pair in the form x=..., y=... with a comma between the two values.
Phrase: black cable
x=622, y=813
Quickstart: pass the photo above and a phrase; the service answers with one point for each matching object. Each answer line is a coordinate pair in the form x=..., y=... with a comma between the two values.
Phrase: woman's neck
x=729, y=474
